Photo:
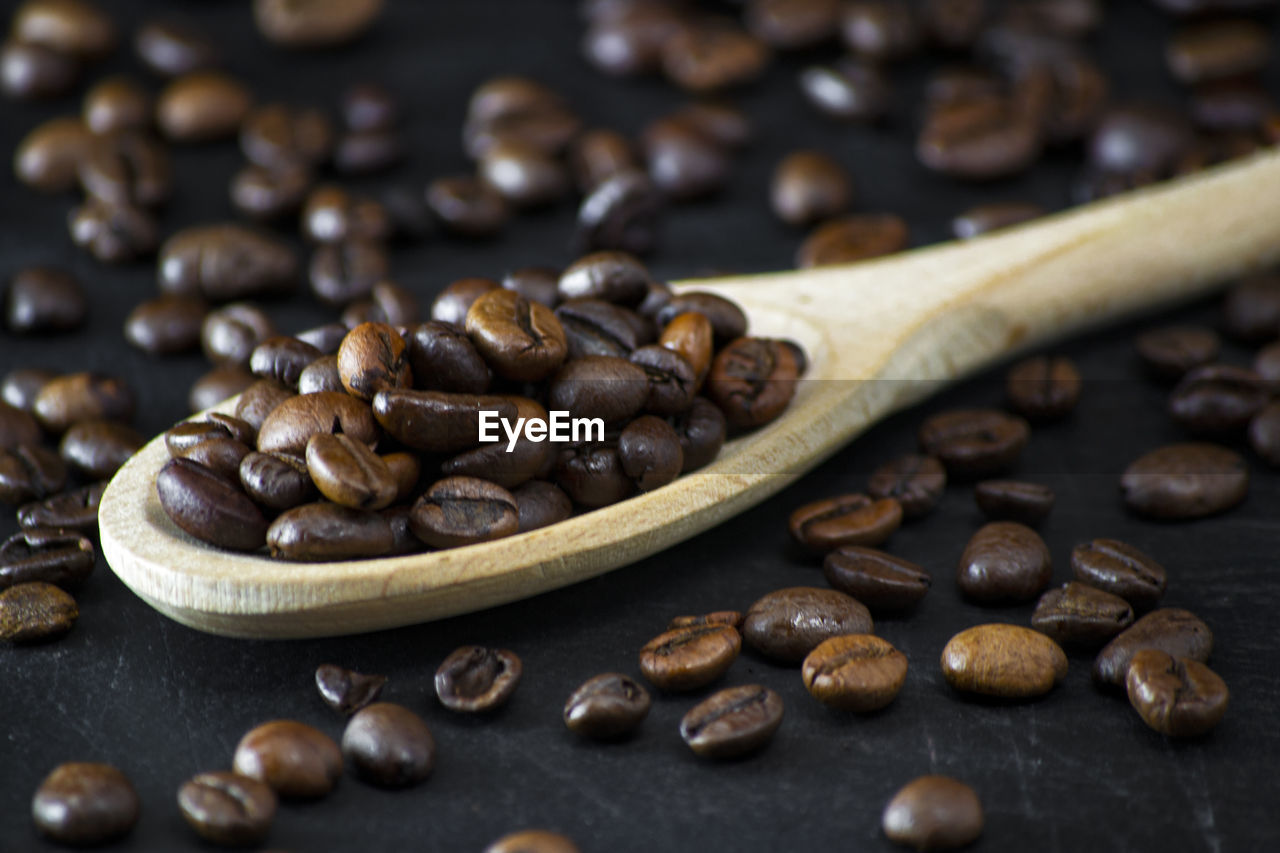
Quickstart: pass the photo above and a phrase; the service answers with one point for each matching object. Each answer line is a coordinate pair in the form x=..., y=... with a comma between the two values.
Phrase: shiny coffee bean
x=793, y=24
x=326, y=338
x=82, y=804
x=1120, y=569
x=607, y=707
x=1264, y=434
x=459, y=511
x=615, y=277
x=974, y=442
x=1218, y=49
x=75, y=509
x=789, y=623
x=341, y=273
x=230, y=334
x=320, y=375
x=878, y=580
x=96, y=449
x=808, y=187
x=592, y=475
x=848, y=91
x=854, y=672
x=598, y=155
x=225, y=262
x=519, y=339
x=48, y=157
x=599, y=386
x=979, y=140
x=880, y=30
x=992, y=217
x=1014, y=500
x=280, y=136
x=537, y=284
x=728, y=321
x=31, y=71
x=388, y=302
x=35, y=611
x=437, y=421
x=688, y=658
x=628, y=41
x=348, y=473
x=268, y=194
x=452, y=304
x=295, y=760
x=1006, y=661
x=76, y=397
x=282, y=358
x=850, y=238
x=916, y=482
x=752, y=380
x=683, y=162
x=523, y=174
x=533, y=841
x=710, y=56
x=650, y=453
x=1004, y=561
x=844, y=520
x=1175, y=696
x=1043, y=388
x=63, y=558
x=467, y=206
x=672, y=381
x=44, y=300
x=332, y=215
x=126, y=168
x=172, y=48
x=1175, y=632
x=1184, y=481
x=318, y=532
x=933, y=813
x=593, y=327
x=1170, y=352
x=475, y=679
x=116, y=103
x=733, y=722
x=692, y=336
x=1251, y=310
x=1139, y=138
x=1218, y=398
x=227, y=808
x=389, y=746
x=702, y=431
x=309, y=24
x=540, y=504
x=30, y=472
x=19, y=388
x=72, y=27
x=347, y=691
x=259, y=400
x=292, y=423
x=166, y=325
x=373, y=357
x=210, y=507
x=277, y=481
x=443, y=358
x=112, y=233
x=499, y=462
x=1079, y=615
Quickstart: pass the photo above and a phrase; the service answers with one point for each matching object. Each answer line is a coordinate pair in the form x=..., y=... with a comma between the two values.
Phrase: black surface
x=1075, y=771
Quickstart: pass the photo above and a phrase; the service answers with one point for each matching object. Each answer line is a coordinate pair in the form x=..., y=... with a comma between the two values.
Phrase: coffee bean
x=437, y=421
x=1251, y=310
x=1264, y=434
x=880, y=30
x=533, y=841
x=268, y=194
x=459, y=511
x=75, y=509
x=1171, y=351
x=81, y=803
x=166, y=325
x=230, y=334
x=1178, y=697
x=916, y=482
x=19, y=389
x=76, y=397
x=1218, y=49
x=116, y=103
x=443, y=358
x=452, y=304
x=282, y=358
x=712, y=55
x=35, y=611
x=733, y=722
x=227, y=808
x=365, y=152
x=520, y=340
x=880, y=581
x=1013, y=500
x=280, y=136
x=688, y=658
x=48, y=555
x=127, y=167
x=48, y=158
x=649, y=450
x=844, y=520
x=347, y=691
x=593, y=327
x=993, y=216
x=171, y=48
x=702, y=432
x=1006, y=661
x=1004, y=561
x=348, y=473
x=307, y=24
x=326, y=338
x=44, y=300
x=789, y=623
x=974, y=442
x=467, y=206
x=96, y=449
x=854, y=672
x=389, y=746
x=683, y=162
x=671, y=380
x=30, y=472
x=1176, y=632
x=607, y=707
x=18, y=427
x=933, y=813
x=1218, y=398
x=621, y=212
x=592, y=474
x=732, y=618
x=1120, y=569
x=72, y=27
x=1184, y=481
x=728, y=322
x=295, y=760
x=332, y=215
x=1043, y=388
x=540, y=504
x=691, y=335
x=475, y=679
x=1077, y=614
x=752, y=380
x=31, y=71
x=604, y=387
x=848, y=90
x=850, y=238
x=979, y=140
x=276, y=481
x=317, y=532
x=1139, y=138
x=809, y=186
x=260, y=399
x=225, y=262
x=523, y=173
x=628, y=40
x=341, y=273
x=388, y=303
x=793, y=24
x=373, y=357
x=497, y=463
x=615, y=277
x=291, y=424
x=112, y=233
x=209, y=507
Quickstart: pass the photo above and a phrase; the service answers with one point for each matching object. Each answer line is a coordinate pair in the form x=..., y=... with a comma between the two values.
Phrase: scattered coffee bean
x=1043, y=388
x=1079, y=615
x=295, y=760
x=844, y=520
x=1120, y=569
x=166, y=325
x=96, y=449
x=1171, y=351
x=878, y=580
x=1004, y=561
x=113, y=233
x=994, y=216
x=389, y=746
x=30, y=472
x=788, y=624
x=1006, y=661
x=44, y=300
x=48, y=158
x=172, y=48
x=1218, y=398
x=63, y=558
x=933, y=813
x=733, y=722
x=974, y=443
x=75, y=509
x=690, y=657
x=854, y=672
x=1218, y=49
x=851, y=238
x=75, y=397
x=313, y=24
x=607, y=707
x=1251, y=311
x=347, y=691
x=475, y=679
x=279, y=136
x=1184, y=481
x=916, y=482
x=467, y=206
x=74, y=27
x=82, y=804
x=227, y=808
x=31, y=71
x=808, y=187
x=35, y=611
x=1014, y=500
x=126, y=167
x=225, y=262
x=116, y=103
x=1178, y=697
x=1176, y=632
x=850, y=90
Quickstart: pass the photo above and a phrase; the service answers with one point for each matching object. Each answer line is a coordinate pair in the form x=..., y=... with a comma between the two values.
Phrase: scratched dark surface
x=1075, y=771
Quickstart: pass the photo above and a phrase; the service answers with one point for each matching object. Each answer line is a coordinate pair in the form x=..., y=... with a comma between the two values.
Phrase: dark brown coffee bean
x=732, y=618
x=511, y=95
x=523, y=173
x=63, y=558
x=467, y=206
x=702, y=431
x=18, y=427
x=1183, y=481
x=1251, y=311
x=307, y=24
x=1176, y=632
x=615, y=277
x=1077, y=614
x=851, y=238
x=30, y=472
x=19, y=389
x=81, y=803
x=116, y=103
x=683, y=162
x=916, y=482
x=320, y=375
x=259, y=400
x=1176, y=696
x=1218, y=398
x=365, y=152
x=72, y=27
x=368, y=106
x=44, y=300
x=230, y=334
x=452, y=304
x=279, y=136
x=540, y=504
x=954, y=24
x=593, y=327
x=76, y=397
x=443, y=358
x=650, y=453
x=752, y=380
x=348, y=473
x=323, y=531
x=607, y=707
x=1139, y=138
x=501, y=462
x=373, y=357
x=1264, y=434
x=733, y=722
x=808, y=187
x=1006, y=661
x=629, y=40
x=475, y=679
x=1014, y=500
x=979, y=140
x=712, y=55
x=592, y=475
x=35, y=611
x=793, y=24
x=126, y=168
x=1004, y=561
x=719, y=121
x=347, y=691
x=282, y=358
x=1217, y=50
x=600, y=387
x=113, y=233
x=326, y=338
x=1043, y=388
x=226, y=262
x=728, y=322
x=691, y=657
x=75, y=509
x=31, y=71
x=227, y=808
x=171, y=48
x=96, y=449
x=341, y=273
x=389, y=746
x=166, y=325
x=621, y=213
x=849, y=90
x=844, y=520
x=880, y=29
x=1171, y=351
x=209, y=507
x=332, y=215
x=292, y=423
x=268, y=194
x=598, y=155
x=388, y=303
x=880, y=581
x=993, y=216
x=275, y=480
x=672, y=381
x=520, y=340
x=788, y=624
x=48, y=158
x=974, y=442
x=437, y=421
x=933, y=813
x=459, y=511
x=1120, y=569
x=854, y=672
x=295, y=760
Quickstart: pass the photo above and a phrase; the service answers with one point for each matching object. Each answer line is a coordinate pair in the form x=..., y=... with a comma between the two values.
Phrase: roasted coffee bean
x=388, y=302
x=320, y=375
x=511, y=95
x=35, y=611
x=452, y=304
x=649, y=450
x=916, y=482
x=389, y=746
x=368, y=151
x=878, y=580
x=792, y=24
x=437, y=421
x=267, y=194
x=259, y=400
x=1218, y=398
x=657, y=298
x=230, y=334
x=519, y=339
x=1171, y=351
x=19, y=389
x=227, y=808
x=683, y=162
x=31, y=71
x=628, y=41
x=1175, y=632
x=30, y=472
x=1120, y=569
x=537, y=284
x=166, y=325
x=1077, y=614
x=63, y=558
x=752, y=380
x=332, y=215
x=719, y=121
x=733, y=722
x=76, y=397
x=691, y=657
x=1043, y=388
x=1264, y=434
x=702, y=432
x=844, y=520
x=788, y=624
x=1178, y=697
x=1184, y=481
x=880, y=30
x=540, y=504
x=96, y=449
x=549, y=129
x=44, y=300
x=225, y=262
x=295, y=760
x=18, y=427
x=854, y=672
x=325, y=532
x=344, y=272
x=979, y=140
x=592, y=475
x=443, y=358
x=81, y=803
x=1139, y=138
x=1217, y=50
x=598, y=155
x=1251, y=310
x=851, y=238
x=459, y=511
x=368, y=106
x=533, y=841
x=282, y=358
x=672, y=381
x=210, y=507
x=48, y=158
x=373, y=357
x=501, y=462
x=933, y=813
x=615, y=277
x=275, y=480
x=467, y=206
x=728, y=321
x=347, y=691
x=607, y=707
x=1007, y=661
x=1014, y=500
x=993, y=216
x=314, y=23
x=712, y=55
x=523, y=173
x=75, y=509
x=326, y=338
x=593, y=327
x=1004, y=561
x=348, y=473
x=691, y=335
x=126, y=168
x=599, y=387
x=171, y=48
x=475, y=679
x=808, y=187
x=974, y=442
x=279, y=136
x=732, y=618
x=112, y=233
x=292, y=423
x=72, y=27
x=849, y=90
x=116, y=103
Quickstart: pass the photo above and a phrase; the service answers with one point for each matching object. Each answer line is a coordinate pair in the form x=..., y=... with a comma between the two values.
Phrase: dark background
x=1074, y=771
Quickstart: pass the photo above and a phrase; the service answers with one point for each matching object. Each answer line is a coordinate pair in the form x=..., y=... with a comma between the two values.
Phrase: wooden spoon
x=880, y=335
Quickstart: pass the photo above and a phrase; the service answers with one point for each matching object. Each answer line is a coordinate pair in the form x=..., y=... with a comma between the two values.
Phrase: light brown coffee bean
x=690, y=657
x=854, y=672
x=1006, y=661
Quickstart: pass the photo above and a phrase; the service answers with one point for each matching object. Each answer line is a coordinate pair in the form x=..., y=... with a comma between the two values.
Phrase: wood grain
x=880, y=335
